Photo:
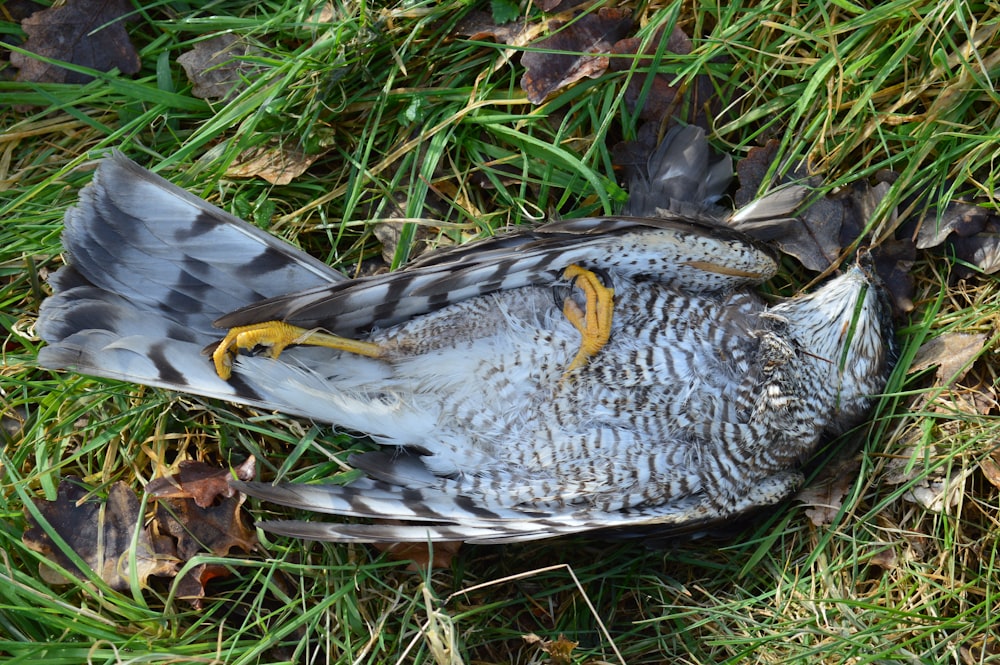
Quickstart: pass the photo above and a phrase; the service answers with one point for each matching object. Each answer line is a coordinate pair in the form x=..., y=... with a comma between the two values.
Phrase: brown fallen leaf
x=12, y=423
x=479, y=26
x=218, y=67
x=981, y=250
x=826, y=497
x=886, y=559
x=560, y=650
x=99, y=532
x=968, y=230
x=990, y=466
x=657, y=101
x=198, y=511
x=421, y=555
x=277, y=164
x=90, y=33
x=939, y=495
x=575, y=51
x=978, y=649
x=552, y=5
x=216, y=529
x=18, y=10
x=390, y=233
x=201, y=482
x=192, y=586
x=962, y=219
x=950, y=352
x=893, y=261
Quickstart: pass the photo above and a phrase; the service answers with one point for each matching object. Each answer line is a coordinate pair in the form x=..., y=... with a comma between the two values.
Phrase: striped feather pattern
x=702, y=405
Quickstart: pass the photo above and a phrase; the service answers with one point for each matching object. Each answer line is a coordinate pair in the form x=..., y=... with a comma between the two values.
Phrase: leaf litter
x=89, y=33
x=195, y=512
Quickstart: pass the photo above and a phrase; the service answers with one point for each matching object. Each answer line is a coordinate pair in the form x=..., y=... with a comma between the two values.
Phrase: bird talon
x=275, y=336
x=594, y=322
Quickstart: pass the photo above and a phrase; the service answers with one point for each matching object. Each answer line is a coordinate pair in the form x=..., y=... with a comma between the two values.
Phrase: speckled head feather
x=701, y=405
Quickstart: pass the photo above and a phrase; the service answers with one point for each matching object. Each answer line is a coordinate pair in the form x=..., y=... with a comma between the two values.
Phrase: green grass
x=411, y=121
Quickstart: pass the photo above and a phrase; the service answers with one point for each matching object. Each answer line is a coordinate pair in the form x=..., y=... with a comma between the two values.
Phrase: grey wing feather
x=664, y=249
x=680, y=176
x=772, y=216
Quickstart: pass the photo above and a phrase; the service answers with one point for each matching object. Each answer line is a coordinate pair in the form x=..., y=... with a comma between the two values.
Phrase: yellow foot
x=594, y=324
x=275, y=336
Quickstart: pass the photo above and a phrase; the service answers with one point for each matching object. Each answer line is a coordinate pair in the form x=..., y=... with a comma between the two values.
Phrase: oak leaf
x=90, y=33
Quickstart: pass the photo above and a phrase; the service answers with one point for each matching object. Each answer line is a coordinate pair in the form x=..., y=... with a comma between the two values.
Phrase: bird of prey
x=596, y=373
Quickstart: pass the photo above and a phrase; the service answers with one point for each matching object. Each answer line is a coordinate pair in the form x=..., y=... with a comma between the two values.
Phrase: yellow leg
x=276, y=335
x=594, y=324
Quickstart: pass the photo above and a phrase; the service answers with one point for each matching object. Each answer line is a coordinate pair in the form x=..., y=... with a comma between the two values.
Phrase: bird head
x=846, y=324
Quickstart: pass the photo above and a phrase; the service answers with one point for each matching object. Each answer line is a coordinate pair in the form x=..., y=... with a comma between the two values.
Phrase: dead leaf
x=422, y=555
x=480, y=26
x=825, y=498
x=661, y=102
x=552, y=5
x=203, y=483
x=216, y=529
x=962, y=219
x=981, y=250
x=191, y=587
x=969, y=230
x=979, y=649
x=390, y=233
x=950, y=352
x=218, y=67
x=816, y=241
x=885, y=559
x=99, y=532
x=990, y=467
x=12, y=423
x=576, y=52
x=90, y=33
x=277, y=164
x=893, y=261
x=751, y=171
x=18, y=10
x=939, y=496
x=560, y=650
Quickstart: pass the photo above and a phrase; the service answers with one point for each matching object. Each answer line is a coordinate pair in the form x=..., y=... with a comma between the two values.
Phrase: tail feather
x=150, y=268
x=435, y=513
x=130, y=221
x=399, y=533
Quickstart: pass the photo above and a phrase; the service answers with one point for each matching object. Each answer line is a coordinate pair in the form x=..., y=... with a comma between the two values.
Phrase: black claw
x=605, y=277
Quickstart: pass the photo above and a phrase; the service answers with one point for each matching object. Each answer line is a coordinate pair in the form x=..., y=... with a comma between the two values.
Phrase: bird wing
x=695, y=254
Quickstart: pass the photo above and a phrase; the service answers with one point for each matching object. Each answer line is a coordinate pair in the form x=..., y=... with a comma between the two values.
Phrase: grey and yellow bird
x=604, y=372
